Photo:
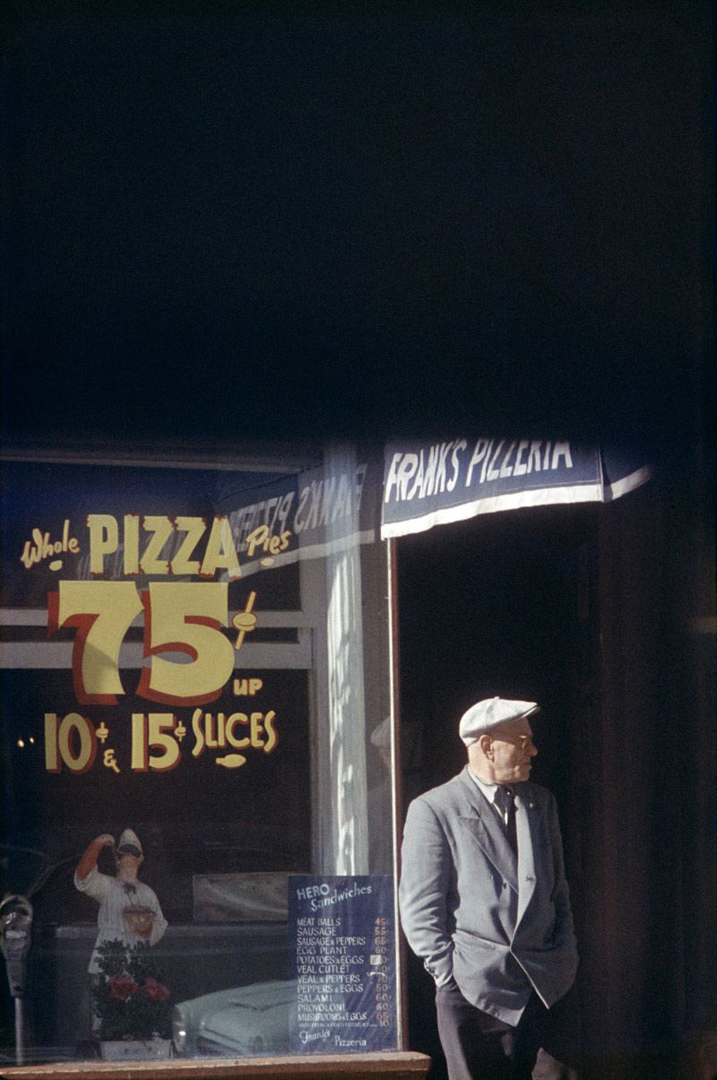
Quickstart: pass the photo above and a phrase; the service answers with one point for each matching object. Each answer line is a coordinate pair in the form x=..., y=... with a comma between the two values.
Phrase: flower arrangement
x=130, y=1000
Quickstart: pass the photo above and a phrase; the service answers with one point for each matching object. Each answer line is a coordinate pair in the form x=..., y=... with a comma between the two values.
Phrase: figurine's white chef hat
x=129, y=839
x=491, y=713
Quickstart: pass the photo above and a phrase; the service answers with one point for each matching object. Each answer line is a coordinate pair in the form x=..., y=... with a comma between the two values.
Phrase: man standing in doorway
x=485, y=904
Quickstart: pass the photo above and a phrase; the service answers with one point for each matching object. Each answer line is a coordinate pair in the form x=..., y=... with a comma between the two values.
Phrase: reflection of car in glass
x=241, y=1022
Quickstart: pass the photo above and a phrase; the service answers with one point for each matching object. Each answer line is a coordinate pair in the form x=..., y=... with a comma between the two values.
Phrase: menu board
x=341, y=931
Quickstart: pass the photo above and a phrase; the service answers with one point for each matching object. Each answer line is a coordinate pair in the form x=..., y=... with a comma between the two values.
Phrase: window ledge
x=399, y=1065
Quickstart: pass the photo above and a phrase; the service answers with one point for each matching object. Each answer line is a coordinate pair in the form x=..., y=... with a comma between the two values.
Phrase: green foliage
x=131, y=1001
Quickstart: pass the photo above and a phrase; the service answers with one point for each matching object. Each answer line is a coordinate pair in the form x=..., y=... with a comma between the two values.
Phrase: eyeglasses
x=521, y=741
x=129, y=849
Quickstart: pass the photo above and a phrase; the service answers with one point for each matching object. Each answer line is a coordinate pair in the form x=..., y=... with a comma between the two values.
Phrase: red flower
x=154, y=990
x=122, y=987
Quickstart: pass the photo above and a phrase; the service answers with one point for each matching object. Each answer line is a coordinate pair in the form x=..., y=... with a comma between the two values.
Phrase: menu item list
x=341, y=955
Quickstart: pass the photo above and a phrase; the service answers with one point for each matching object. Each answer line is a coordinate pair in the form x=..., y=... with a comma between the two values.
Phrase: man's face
x=513, y=751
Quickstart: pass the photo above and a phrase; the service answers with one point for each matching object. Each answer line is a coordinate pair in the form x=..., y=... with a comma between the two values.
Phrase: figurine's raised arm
x=89, y=859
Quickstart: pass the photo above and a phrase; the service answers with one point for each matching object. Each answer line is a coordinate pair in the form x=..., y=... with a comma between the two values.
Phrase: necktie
x=506, y=803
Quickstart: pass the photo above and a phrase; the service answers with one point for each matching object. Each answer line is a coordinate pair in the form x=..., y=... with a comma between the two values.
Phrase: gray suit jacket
x=470, y=912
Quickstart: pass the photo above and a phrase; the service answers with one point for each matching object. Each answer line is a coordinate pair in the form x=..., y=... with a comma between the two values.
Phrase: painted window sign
x=140, y=630
x=190, y=639
x=179, y=618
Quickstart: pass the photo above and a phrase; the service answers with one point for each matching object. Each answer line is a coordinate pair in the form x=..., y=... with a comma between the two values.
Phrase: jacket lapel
x=528, y=823
x=481, y=822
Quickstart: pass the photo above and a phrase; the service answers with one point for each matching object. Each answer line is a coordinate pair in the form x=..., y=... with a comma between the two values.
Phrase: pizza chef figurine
x=129, y=909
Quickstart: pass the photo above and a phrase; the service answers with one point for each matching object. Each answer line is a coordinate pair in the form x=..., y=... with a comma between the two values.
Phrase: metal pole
x=397, y=788
x=19, y=1031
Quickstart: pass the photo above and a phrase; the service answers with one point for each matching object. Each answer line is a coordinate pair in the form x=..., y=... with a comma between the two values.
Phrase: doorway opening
x=503, y=604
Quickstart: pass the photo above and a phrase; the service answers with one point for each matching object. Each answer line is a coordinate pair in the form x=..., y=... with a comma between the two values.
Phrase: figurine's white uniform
x=114, y=896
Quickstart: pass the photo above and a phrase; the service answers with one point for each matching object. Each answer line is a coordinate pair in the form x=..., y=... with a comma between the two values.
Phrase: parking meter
x=15, y=935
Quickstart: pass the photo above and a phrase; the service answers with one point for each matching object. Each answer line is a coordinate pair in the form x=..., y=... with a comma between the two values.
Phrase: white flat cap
x=491, y=713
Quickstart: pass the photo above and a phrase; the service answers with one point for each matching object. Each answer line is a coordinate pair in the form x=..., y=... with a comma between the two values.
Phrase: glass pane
x=197, y=749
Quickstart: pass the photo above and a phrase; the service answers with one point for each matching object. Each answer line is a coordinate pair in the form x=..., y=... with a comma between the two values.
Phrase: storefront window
x=198, y=817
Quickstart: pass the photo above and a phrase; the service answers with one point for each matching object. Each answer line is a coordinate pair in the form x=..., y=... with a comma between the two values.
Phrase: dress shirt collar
x=488, y=790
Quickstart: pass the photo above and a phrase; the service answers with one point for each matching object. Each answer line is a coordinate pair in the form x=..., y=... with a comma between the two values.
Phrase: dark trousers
x=481, y=1047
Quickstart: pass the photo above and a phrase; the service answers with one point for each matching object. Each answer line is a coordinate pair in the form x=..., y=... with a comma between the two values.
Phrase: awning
x=427, y=484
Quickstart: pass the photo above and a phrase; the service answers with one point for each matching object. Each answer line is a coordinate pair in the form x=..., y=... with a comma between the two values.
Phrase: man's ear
x=486, y=744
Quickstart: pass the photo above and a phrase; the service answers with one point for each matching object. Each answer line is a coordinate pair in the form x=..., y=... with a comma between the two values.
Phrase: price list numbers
x=379, y=965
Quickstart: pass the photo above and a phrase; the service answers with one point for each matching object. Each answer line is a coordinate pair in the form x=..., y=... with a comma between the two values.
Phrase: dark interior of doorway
x=501, y=604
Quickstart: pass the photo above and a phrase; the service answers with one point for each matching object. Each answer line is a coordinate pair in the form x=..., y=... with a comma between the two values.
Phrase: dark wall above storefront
x=227, y=224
